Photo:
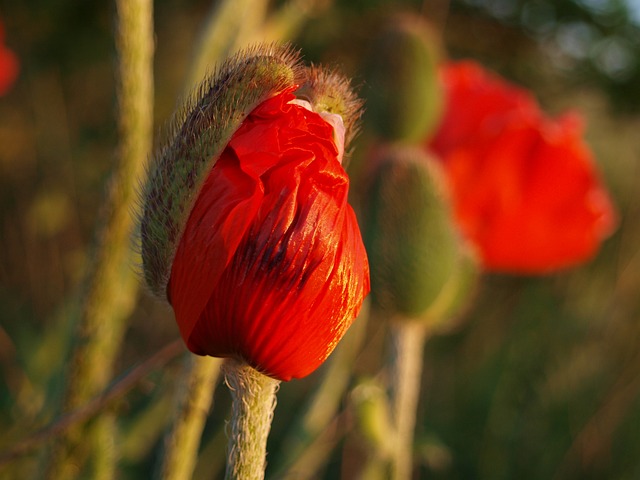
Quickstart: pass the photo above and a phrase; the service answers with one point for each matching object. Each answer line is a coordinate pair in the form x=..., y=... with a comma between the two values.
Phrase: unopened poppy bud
x=247, y=226
x=417, y=258
x=404, y=98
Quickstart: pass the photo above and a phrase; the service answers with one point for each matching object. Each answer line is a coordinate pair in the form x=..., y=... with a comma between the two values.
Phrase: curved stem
x=406, y=371
x=254, y=400
x=194, y=398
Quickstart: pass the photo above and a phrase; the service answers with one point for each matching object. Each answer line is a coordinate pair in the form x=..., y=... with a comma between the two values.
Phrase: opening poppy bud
x=420, y=267
x=404, y=99
x=269, y=266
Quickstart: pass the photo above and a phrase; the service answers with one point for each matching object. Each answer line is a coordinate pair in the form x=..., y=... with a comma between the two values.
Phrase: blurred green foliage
x=541, y=379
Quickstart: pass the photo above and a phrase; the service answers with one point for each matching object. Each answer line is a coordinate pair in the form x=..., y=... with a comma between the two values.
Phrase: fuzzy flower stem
x=111, y=283
x=194, y=398
x=254, y=401
x=408, y=340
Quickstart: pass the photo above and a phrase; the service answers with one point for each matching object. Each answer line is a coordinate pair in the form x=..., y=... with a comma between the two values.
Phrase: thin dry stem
x=406, y=371
x=95, y=406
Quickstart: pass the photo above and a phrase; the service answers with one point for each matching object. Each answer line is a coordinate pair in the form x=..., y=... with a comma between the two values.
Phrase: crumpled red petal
x=271, y=268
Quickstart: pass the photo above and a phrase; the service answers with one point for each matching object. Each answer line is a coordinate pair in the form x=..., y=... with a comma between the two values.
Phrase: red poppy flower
x=271, y=267
x=8, y=65
x=524, y=186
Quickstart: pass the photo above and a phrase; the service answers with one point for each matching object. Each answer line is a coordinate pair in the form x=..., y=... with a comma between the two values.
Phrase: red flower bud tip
x=271, y=268
x=9, y=65
x=525, y=188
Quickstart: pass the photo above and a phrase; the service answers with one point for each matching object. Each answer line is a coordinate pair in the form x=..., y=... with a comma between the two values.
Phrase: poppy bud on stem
x=421, y=275
x=248, y=234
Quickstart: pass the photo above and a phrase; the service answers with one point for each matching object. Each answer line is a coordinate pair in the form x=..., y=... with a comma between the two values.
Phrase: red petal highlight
x=280, y=284
x=525, y=188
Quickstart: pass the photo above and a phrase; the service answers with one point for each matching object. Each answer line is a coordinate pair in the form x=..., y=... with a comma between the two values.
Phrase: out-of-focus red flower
x=271, y=267
x=525, y=188
x=9, y=65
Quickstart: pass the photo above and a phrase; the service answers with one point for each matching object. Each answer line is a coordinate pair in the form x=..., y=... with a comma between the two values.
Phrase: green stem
x=254, y=401
x=408, y=340
x=194, y=397
x=112, y=286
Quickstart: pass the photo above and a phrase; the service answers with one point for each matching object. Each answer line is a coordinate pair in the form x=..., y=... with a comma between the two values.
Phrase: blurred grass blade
x=287, y=21
x=111, y=283
x=229, y=27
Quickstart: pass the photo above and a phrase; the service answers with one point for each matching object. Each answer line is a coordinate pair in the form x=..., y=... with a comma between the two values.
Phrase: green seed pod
x=200, y=130
x=404, y=97
x=416, y=256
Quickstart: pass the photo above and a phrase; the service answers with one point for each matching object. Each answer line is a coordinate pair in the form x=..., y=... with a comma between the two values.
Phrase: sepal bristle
x=331, y=92
x=199, y=132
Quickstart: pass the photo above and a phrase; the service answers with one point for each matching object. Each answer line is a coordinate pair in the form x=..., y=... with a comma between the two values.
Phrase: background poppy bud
x=269, y=266
x=404, y=98
x=199, y=132
x=419, y=266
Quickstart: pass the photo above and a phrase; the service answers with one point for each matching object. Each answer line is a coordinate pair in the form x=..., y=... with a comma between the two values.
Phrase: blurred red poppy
x=9, y=65
x=271, y=267
x=525, y=188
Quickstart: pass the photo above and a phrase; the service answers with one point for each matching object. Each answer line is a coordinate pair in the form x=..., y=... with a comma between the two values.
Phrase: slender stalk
x=408, y=340
x=254, y=401
x=194, y=399
x=111, y=284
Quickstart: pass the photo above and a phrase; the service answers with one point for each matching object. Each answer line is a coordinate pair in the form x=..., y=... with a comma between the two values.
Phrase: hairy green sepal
x=199, y=133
